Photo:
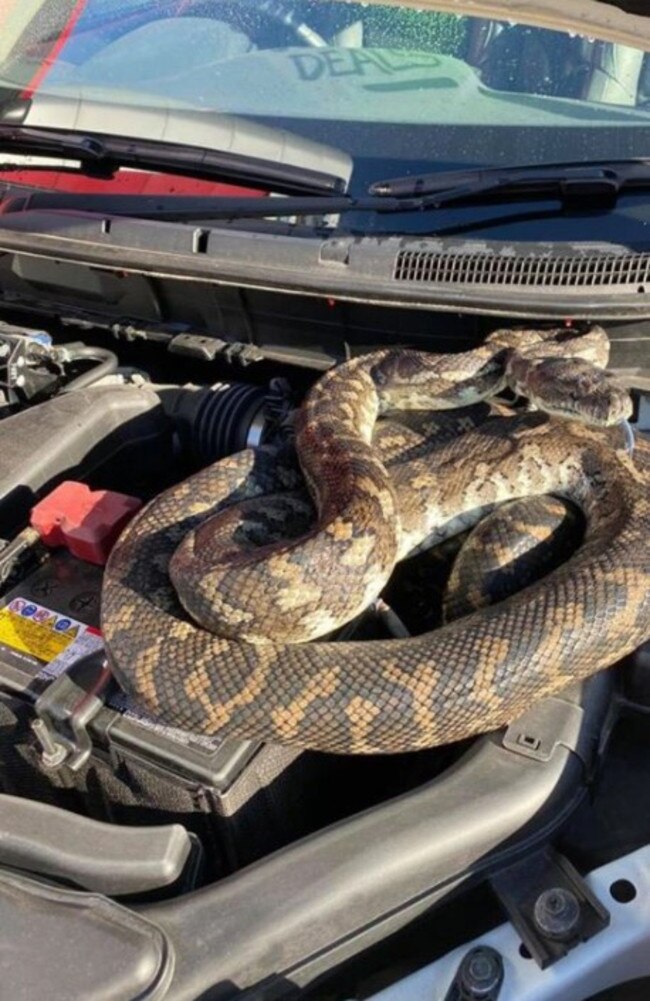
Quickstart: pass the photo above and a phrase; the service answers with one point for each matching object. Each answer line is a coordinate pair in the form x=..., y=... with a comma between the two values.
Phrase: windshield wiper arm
x=103, y=155
x=591, y=182
x=185, y=208
x=590, y=187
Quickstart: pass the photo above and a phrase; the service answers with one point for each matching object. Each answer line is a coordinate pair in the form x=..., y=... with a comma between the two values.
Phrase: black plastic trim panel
x=288, y=919
x=105, y=858
x=292, y=917
x=72, y=435
x=68, y=946
x=361, y=269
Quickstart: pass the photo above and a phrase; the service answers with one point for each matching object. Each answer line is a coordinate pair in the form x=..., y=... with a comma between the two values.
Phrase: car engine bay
x=350, y=872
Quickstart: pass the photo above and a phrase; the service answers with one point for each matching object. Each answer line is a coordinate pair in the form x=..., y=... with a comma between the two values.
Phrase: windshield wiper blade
x=598, y=181
x=103, y=155
x=81, y=147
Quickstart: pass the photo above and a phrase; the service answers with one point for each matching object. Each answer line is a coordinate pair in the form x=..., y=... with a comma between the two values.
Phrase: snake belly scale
x=245, y=668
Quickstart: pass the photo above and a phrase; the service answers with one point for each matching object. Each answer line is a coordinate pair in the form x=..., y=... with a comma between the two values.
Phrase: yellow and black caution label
x=37, y=631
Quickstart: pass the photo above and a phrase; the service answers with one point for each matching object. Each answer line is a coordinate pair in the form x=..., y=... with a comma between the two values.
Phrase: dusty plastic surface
x=307, y=908
x=68, y=946
x=105, y=858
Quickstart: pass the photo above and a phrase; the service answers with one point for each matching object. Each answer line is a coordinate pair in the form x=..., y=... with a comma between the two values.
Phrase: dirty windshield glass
x=395, y=88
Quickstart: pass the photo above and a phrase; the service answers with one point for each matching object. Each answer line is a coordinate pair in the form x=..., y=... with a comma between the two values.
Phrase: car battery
x=89, y=746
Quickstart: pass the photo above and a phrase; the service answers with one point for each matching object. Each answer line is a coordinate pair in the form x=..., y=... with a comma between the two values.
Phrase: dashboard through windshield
x=397, y=89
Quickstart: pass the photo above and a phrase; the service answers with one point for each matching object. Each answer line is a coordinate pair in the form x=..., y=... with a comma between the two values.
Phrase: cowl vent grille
x=525, y=271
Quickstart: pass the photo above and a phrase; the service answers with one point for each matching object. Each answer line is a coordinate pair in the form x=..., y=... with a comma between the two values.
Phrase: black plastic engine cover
x=68, y=946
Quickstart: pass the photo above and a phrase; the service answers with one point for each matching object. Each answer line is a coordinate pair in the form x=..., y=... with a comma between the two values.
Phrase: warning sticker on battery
x=55, y=640
x=51, y=643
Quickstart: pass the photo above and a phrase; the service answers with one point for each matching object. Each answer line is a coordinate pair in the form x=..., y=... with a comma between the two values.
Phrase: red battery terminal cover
x=87, y=522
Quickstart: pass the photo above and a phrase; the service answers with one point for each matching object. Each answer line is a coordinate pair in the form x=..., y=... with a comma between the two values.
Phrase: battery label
x=128, y=708
x=87, y=641
x=52, y=643
x=54, y=640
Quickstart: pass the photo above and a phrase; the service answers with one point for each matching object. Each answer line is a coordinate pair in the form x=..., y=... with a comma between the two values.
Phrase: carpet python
x=217, y=595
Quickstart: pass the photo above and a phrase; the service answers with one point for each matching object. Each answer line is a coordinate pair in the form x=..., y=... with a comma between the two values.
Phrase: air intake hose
x=227, y=417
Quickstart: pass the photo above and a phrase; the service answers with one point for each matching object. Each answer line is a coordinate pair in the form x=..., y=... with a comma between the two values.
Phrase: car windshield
x=397, y=89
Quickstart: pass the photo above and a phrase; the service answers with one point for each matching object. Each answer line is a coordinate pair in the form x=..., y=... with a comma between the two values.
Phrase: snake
x=507, y=551
x=221, y=596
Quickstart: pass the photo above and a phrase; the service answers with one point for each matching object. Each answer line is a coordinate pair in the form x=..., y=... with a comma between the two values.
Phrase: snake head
x=573, y=387
x=416, y=380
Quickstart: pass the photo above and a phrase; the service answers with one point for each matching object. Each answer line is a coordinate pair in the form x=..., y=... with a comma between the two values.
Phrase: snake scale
x=213, y=589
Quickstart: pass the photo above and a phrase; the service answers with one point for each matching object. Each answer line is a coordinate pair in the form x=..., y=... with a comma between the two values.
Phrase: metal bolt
x=480, y=972
x=53, y=754
x=557, y=913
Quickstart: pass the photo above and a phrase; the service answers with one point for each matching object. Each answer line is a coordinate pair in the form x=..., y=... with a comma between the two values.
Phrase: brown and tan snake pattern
x=214, y=550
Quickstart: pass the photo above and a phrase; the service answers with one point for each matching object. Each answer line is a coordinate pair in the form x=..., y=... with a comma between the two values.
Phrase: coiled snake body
x=213, y=547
